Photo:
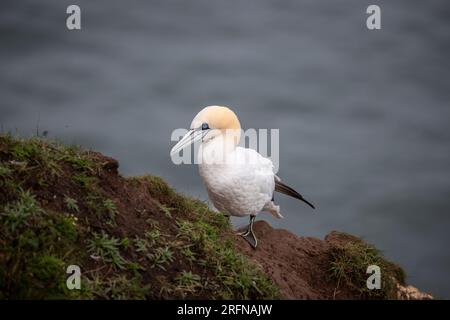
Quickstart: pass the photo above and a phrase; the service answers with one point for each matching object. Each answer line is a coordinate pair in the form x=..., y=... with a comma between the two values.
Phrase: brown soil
x=300, y=265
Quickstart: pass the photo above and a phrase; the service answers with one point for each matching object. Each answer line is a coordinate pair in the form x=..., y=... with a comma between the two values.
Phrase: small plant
x=94, y=203
x=141, y=245
x=84, y=181
x=187, y=229
x=153, y=235
x=78, y=161
x=5, y=171
x=71, y=204
x=166, y=288
x=188, y=282
x=162, y=256
x=107, y=248
x=36, y=152
x=188, y=253
x=18, y=213
x=188, y=278
x=164, y=209
x=118, y=288
x=102, y=208
x=26, y=151
x=111, y=208
x=125, y=242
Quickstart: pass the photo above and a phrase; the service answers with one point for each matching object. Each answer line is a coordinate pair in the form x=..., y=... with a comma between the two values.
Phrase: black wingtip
x=283, y=188
x=308, y=203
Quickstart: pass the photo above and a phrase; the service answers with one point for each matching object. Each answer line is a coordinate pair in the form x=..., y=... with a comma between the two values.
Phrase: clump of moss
x=349, y=260
x=35, y=245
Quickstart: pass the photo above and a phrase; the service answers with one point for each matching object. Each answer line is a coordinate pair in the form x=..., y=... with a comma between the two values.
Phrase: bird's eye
x=205, y=126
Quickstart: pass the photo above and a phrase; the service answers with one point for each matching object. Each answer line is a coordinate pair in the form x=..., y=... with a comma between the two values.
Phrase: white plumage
x=240, y=182
x=241, y=186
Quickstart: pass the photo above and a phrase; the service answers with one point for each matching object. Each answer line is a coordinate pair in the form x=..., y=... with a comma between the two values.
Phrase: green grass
x=110, y=208
x=141, y=245
x=167, y=211
x=188, y=253
x=79, y=161
x=5, y=170
x=120, y=287
x=107, y=248
x=349, y=264
x=188, y=282
x=153, y=236
x=36, y=245
x=18, y=214
x=205, y=233
x=84, y=180
x=102, y=207
x=72, y=204
x=161, y=257
x=55, y=211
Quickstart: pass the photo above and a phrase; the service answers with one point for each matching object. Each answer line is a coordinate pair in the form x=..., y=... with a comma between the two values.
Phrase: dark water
x=363, y=115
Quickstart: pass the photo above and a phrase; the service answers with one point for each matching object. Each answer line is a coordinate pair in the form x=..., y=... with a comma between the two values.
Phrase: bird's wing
x=285, y=189
x=257, y=168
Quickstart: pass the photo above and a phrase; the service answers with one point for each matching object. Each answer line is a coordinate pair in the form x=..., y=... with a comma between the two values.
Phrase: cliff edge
x=137, y=238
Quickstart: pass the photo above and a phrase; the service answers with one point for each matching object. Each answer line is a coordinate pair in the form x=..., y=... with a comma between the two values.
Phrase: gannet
x=239, y=181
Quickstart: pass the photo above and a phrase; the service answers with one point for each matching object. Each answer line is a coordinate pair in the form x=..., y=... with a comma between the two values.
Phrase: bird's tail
x=283, y=188
x=273, y=209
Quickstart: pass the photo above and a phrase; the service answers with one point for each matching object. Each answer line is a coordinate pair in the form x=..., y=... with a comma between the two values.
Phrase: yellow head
x=216, y=117
x=210, y=123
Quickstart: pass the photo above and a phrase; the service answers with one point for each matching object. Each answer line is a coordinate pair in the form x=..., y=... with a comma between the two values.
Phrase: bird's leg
x=247, y=231
x=249, y=235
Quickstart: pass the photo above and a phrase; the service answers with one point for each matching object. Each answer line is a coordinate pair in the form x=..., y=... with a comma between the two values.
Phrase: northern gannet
x=240, y=182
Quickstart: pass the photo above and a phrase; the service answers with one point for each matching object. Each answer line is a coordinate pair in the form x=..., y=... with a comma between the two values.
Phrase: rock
x=411, y=293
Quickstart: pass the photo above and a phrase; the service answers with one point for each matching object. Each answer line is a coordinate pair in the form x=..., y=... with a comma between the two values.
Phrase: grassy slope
x=133, y=238
x=136, y=238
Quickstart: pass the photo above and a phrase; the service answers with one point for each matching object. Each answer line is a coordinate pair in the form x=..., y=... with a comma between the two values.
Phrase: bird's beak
x=189, y=138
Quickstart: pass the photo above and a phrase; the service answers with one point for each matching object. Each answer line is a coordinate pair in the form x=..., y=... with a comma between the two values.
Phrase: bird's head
x=209, y=124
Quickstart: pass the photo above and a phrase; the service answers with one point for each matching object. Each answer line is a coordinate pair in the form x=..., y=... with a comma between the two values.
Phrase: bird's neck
x=216, y=151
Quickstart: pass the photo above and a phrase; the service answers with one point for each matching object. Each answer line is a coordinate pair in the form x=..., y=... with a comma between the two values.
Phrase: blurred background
x=363, y=115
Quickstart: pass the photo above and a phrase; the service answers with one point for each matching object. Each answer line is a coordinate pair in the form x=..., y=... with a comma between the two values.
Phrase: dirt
x=300, y=265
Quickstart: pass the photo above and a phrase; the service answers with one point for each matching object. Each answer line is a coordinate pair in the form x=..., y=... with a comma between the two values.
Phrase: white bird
x=240, y=182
